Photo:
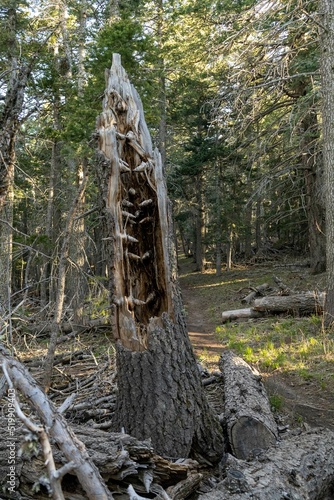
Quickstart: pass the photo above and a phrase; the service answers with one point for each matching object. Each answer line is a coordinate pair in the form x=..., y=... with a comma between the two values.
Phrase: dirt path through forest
x=201, y=329
x=303, y=401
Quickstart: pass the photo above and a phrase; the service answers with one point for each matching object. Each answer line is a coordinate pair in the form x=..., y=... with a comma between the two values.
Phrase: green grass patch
x=297, y=345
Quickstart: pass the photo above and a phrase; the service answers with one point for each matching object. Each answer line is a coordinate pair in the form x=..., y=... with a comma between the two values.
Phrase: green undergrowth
x=290, y=345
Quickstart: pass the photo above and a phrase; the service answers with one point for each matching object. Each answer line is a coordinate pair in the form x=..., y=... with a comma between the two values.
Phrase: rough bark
x=249, y=422
x=9, y=125
x=302, y=303
x=159, y=384
x=120, y=458
x=298, y=468
x=326, y=13
x=162, y=395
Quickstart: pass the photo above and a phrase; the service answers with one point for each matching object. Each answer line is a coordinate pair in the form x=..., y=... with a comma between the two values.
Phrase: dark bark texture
x=249, y=421
x=298, y=468
x=162, y=396
x=160, y=392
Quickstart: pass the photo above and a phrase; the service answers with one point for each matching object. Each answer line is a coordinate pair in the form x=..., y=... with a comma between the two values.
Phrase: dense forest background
x=231, y=96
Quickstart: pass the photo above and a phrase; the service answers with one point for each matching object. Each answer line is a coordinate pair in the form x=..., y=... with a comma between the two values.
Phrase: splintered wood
x=136, y=202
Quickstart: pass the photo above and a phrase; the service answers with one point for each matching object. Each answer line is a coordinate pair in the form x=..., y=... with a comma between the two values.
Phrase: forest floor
x=294, y=355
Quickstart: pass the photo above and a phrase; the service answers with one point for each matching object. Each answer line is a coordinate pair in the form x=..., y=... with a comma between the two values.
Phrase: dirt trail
x=201, y=330
x=303, y=402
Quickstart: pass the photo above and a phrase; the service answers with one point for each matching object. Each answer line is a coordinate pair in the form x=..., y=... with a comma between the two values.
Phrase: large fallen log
x=301, y=303
x=298, y=468
x=248, y=418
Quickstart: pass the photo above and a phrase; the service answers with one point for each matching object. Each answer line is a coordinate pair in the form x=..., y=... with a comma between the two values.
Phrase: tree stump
x=160, y=392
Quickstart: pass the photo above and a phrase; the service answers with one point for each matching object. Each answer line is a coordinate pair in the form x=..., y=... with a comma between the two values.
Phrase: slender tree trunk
x=248, y=230
x=219, y=229
x=314, y=193
x=258, y=226
x=200, y=226
x=61, y=283
x=160, y=395
x=77, y=284
x=326, y=12
x=9, y=125
x=229, y=249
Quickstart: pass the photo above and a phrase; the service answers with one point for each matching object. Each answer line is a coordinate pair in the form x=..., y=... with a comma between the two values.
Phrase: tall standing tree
x=160, y=395
x=326, y=15
x=16, y=71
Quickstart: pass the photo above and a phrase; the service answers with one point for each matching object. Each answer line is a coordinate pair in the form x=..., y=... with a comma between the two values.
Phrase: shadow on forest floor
x=294, y=355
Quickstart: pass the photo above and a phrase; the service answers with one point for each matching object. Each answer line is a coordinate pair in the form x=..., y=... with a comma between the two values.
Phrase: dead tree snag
x=160, y=392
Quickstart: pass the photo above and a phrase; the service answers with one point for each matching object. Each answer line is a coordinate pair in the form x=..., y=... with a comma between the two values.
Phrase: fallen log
x=301, y=303
x=256, y=292
x=120, y=458
x=240, y=314
x=300, y=467
x=248, y=418
x=72, y=448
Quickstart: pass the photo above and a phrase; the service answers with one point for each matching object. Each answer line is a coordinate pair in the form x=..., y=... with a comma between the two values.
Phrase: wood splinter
x=127, y=237
x=127, y=214
x=145, y=220
x=123, y=166
x=133, y=256
x=145, y=203
x=127, y=203
x=143, y=166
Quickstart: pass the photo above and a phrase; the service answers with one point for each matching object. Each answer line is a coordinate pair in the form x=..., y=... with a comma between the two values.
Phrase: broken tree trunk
x=160, y=392
x=249, y=422
x=301, y=303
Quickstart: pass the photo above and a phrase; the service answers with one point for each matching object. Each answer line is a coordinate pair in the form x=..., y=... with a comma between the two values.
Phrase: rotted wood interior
x=140, y=249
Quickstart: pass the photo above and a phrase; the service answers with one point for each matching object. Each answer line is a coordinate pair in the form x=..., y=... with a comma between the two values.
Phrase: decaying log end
x=136, y=203
x=249, y=421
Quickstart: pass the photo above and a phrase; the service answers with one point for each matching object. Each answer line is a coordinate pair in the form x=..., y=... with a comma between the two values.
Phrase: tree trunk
x=160, y=392
x=200, y=227
x=326, y=12
x=302, y=303
x=248, y=418
x=298, y=468
x=314, y=193
x=246, y=313
x=61, y=283
x=9, y=125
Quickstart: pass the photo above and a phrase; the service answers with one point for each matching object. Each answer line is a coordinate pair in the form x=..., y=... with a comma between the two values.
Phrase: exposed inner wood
x=135, y=185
